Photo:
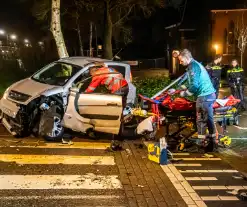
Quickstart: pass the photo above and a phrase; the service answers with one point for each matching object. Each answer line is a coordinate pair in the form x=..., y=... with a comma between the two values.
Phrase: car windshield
x=57, y=73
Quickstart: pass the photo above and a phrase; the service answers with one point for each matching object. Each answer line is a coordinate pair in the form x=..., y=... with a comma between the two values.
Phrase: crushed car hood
x=31, y=88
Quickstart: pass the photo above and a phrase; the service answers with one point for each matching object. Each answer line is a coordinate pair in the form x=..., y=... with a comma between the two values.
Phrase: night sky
x=17, y=17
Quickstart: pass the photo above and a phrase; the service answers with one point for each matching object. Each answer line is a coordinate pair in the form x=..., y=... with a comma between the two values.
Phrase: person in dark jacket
x=214, y=70
x=201, y=87
x=235, y=77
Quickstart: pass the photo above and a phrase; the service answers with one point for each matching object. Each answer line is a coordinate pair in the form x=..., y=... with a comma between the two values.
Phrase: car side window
x=83, y=81
x=120, y=69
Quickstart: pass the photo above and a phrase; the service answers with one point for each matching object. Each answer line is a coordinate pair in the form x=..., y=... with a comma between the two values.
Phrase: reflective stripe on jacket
x=113, y=82
x=214, y=70
x=235, y=75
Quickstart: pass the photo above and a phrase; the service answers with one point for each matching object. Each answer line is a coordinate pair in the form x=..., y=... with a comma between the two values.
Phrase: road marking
x=76, y=145
x=208, y=171
x=201, y=187
x=57, y=159
x=88, y=181
x=190, y=197
x=177, y=178
x=210, y=198
x=60, y=197
x=200, y=178
x=219, y=198
x=91, y=197
x=180, y=153
x=211, y=159
x=218, y=187
x=238, y=127
x=240, y=138
x=188, y=165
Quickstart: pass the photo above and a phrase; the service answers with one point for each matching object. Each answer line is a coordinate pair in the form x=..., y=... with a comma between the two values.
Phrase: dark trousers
x=216, y=84
x=205, y=117
x=237, y=91
x=124, y=91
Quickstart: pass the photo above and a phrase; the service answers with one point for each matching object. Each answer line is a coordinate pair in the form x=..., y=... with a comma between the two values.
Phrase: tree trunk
x=107, y=46
x=79, y=37
x=56, y=29
x=91, y=40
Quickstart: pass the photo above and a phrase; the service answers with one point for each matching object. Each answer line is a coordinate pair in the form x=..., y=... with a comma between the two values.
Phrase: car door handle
x=111, y=104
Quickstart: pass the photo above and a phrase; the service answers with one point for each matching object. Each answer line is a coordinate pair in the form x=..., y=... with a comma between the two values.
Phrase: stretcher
x=172, y=110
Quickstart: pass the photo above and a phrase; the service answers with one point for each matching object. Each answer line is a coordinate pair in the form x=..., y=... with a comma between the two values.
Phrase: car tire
x=236, y=121
x=50, y=127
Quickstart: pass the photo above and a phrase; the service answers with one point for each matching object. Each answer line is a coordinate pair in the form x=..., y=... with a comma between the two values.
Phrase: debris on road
x=233, y=192
x=128, y=151
x=243, y=196
x=66, y=141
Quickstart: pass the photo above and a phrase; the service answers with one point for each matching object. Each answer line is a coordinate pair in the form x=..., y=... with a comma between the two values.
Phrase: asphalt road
x=84, y=173
x=35, y=173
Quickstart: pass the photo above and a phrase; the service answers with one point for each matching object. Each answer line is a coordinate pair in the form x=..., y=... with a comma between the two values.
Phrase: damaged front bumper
x=10, y=109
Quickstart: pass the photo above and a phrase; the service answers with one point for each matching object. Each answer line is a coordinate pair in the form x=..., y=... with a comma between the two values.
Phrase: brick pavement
x=145, y=183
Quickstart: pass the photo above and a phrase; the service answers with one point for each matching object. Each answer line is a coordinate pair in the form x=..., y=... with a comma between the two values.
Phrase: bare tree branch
x=121, y=19
x=240, y=33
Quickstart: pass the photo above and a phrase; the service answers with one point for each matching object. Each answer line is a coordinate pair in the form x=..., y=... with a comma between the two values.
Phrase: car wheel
x=51, y=128
x=56, y=134
x=236, y=121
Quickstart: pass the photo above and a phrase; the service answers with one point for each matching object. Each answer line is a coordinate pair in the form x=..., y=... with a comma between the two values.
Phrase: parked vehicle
x=38, y=104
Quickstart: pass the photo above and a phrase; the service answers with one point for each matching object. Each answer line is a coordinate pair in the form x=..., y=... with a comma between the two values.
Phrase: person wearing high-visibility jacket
x=235, y=77
x=200, y=86
x=111, y=78
x=214, y=70
x=114, y=82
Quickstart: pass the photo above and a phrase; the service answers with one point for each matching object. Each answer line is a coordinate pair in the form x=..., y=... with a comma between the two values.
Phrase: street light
x=2, y=32
x=13, y=37
x=26, y=40
x=41, y=43
x=216, y=47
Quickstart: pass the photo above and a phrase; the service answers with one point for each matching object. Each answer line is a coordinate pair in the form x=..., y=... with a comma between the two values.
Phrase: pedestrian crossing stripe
x=200, y=178
x=201, y=159
x=57, y=159
x=88, y=181
x=188, y=165
x=219, y=198
x=61, y=197
x=208, y=171
x=216, y=187
x=180, y=154
x=76, y=145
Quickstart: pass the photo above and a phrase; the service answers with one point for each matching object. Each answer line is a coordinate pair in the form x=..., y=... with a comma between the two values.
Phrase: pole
x=167, y=87
x=96, y=40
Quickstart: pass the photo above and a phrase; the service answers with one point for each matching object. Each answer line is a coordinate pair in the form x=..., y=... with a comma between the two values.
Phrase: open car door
x=102, y=112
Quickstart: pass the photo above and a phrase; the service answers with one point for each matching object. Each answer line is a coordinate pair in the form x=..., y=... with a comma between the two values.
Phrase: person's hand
x=182, y=93
x=171, y=91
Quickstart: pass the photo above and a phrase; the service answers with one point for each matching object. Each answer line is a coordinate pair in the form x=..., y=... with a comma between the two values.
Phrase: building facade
x=224, y=35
